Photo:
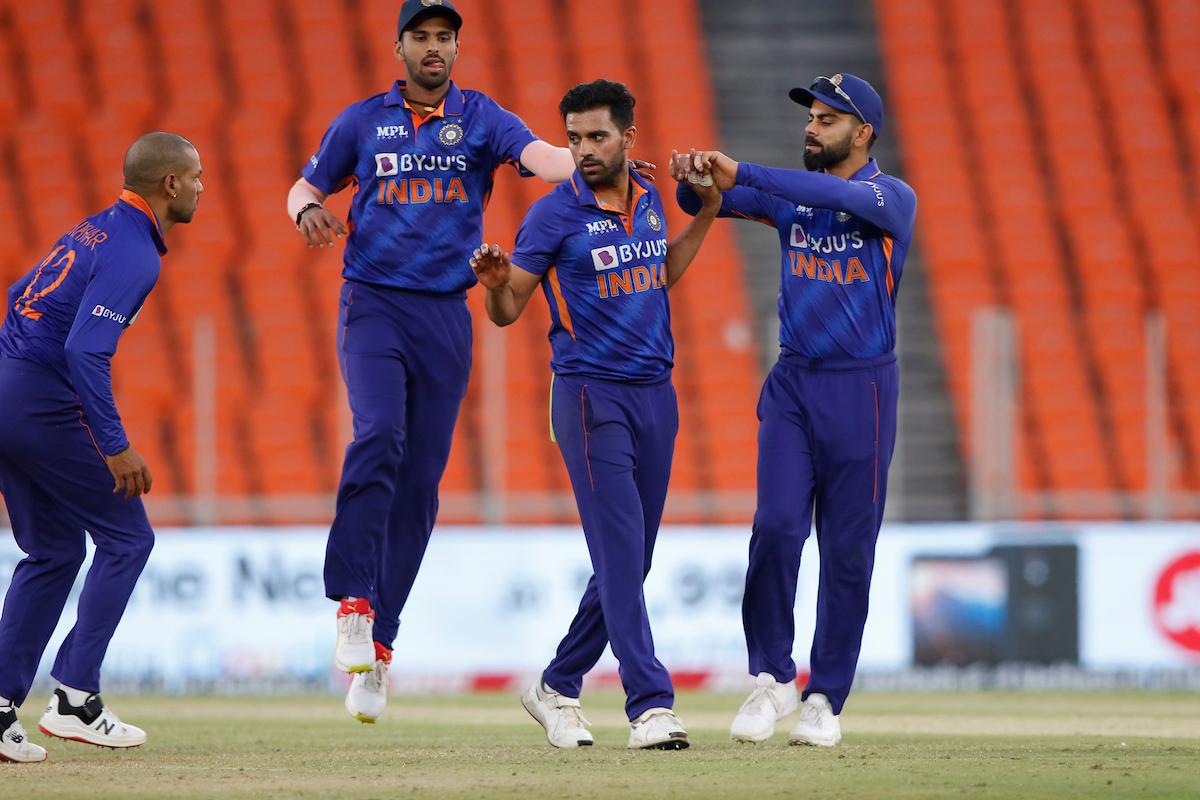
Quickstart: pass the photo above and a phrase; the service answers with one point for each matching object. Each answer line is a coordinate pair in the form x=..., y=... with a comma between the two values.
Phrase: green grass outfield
x=976, y=745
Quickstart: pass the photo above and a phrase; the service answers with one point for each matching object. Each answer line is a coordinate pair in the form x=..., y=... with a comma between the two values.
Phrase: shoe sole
x=748, y=739
x=363, y=718
x=354, y=668
x=811, y=743
x=81, y=740
x=669, y=744
x=528, y=710
x=10, y=760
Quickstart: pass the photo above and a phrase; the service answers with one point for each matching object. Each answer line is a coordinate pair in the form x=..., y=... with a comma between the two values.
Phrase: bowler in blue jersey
x=421, y=158
x=597, y=245
x=828, y=408
x=67, y=469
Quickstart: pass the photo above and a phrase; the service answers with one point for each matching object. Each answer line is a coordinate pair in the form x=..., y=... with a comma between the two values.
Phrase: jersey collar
x=586, y=197
x=870, y=170
x=135, y=200
x=451, y=106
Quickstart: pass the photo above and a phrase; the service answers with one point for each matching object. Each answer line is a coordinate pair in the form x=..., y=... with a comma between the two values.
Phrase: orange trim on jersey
x=888, y=244
x=626, y=218
x=418, y=121
x=564, y=316
x=763, y=220
x=137, y=201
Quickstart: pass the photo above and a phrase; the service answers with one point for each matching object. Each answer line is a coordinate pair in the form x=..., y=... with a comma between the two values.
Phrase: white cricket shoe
x=561, y=716
x=657, y=729
x=14, y=743
x=367, y=699
x=355, y=650
x=90, y=723
x=818, y=724
x=770, y=702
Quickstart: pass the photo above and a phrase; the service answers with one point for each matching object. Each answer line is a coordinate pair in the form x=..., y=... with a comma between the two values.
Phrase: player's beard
x=427, y=82
x=606, y=176
x=828, y=155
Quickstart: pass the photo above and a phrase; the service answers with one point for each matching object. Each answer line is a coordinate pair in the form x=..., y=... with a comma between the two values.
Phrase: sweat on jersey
x=604, y=274
x=421, y=185
x=843, y=246
x=68, y=312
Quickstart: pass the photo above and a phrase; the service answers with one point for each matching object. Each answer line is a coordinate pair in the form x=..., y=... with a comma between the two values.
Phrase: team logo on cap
x=842, y=216
x=428, y=3
x=836, y=80
x=450, y=134
x=654, y=219
x=386, y=164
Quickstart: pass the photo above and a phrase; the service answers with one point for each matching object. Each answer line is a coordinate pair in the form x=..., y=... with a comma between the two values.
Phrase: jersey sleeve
x=887, y=204
x=509, y=136
x=740, y=202
x=538, y=239
x=114, y=294
x=332, y=166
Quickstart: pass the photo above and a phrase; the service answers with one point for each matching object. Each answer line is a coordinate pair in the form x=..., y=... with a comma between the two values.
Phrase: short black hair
x=600, y=93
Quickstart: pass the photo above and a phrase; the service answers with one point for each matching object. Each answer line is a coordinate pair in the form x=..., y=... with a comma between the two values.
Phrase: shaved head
x=153, y=157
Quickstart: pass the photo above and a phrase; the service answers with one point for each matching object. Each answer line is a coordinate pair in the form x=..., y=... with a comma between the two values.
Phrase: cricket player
x=597, y=245
x=422, y=157
x=66, y=466
x=828, y=408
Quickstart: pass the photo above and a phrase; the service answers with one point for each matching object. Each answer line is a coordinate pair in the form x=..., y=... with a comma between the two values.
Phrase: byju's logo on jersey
x=602, y=226
x=391, y=132
x=108, y=313
x=386, y=164
x=604, y=258
x=798, y=237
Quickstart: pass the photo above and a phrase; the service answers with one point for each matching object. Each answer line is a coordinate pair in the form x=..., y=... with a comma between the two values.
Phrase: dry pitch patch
x=896, y=746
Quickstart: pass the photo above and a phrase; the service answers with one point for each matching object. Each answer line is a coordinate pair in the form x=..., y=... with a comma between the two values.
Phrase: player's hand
x=643, y=168
x=722, y=167
x=130, y=472
x=679, y=166
x=319, y=227
x=492, y=266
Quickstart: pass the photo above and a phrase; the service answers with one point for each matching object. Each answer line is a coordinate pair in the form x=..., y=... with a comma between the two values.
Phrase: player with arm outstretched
x=67, y=469
x=597, y=245
x=422, y=156
x=828, y=408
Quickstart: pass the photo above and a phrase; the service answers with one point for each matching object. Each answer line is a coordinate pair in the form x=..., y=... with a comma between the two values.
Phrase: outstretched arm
x=876, y=203
x=508, y=290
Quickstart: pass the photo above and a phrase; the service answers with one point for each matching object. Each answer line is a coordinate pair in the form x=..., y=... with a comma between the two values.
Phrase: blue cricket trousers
x=826, y=434
x=405, y=358
x=57, y=485
x=617, y=440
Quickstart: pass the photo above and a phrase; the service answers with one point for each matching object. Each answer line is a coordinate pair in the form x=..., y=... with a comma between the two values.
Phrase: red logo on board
x=1177, y=601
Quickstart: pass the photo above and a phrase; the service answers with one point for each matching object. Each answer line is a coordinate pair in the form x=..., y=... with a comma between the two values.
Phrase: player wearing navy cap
x=422, y=157
x=597, y=245
x=828, y=408
x=66, y=466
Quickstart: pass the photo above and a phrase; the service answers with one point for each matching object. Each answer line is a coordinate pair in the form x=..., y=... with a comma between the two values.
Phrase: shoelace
x=668, y=716
x=571, y=709
x=356, y=625
x=376, y=679
x=760, y=697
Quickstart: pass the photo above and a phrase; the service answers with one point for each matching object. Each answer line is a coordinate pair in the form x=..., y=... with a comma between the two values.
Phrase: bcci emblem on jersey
x=654, y=219
x=450, y=134
x=386, y=164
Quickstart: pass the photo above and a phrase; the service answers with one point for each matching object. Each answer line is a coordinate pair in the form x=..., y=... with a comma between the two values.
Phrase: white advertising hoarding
x=240, y=604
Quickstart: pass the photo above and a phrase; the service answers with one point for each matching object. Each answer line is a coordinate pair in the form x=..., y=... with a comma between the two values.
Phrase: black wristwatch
x=300, y=213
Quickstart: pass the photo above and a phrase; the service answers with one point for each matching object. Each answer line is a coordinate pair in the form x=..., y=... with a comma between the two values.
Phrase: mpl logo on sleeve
x=1177, y=601
x=386, y=164
x=604, y=258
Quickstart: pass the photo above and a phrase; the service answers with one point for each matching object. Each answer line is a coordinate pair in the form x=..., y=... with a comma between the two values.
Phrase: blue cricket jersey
x=604, y=274
x=68, y=312
x=843, y=246
x=421, y=185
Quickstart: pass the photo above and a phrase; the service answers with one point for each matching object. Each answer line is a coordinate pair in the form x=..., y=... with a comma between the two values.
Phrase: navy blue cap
x=414, y=10
x=847, y=93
